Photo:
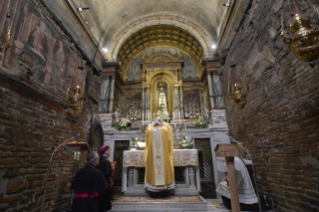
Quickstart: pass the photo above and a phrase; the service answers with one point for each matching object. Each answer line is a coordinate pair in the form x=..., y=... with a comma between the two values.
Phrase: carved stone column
x=181, y=100
x=176, y=102
x=111, y=99
x=191, y=171
x=104, y=95
x=107, y=94
x=215, y=89
x=210, y=90
x=109, y=71
x=148, y=114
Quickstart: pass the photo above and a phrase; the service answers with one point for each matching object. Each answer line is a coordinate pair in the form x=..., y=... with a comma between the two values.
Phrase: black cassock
x=87, y=183
x=104, y=198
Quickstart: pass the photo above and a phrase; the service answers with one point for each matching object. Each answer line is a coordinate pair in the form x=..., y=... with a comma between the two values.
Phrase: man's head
x=105, y=151
x=93, y=158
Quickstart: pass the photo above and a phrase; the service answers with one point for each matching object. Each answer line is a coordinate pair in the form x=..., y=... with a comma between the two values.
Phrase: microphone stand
x=252, y=164
x=47, y=177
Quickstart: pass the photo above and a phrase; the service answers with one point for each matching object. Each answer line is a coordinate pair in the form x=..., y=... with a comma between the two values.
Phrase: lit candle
x=77, y=87
x=235, y=84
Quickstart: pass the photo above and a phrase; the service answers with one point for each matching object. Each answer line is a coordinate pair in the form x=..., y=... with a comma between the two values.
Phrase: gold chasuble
x=159, y=163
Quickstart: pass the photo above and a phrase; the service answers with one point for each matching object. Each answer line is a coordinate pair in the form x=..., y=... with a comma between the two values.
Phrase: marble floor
x=210, y=207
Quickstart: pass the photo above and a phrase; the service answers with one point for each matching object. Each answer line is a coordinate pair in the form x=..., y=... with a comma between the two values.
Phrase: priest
x=105, y=167
x=159, y=165
x=87, y=183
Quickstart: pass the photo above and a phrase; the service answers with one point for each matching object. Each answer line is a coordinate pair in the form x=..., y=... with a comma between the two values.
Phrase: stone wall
x=38, y=73
x=280, y=123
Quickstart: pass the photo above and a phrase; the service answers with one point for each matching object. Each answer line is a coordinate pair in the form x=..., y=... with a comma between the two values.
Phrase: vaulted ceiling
x=116, y=20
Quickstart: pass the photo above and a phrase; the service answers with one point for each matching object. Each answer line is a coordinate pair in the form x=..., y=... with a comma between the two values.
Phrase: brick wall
x=280, y=123
x=35, y=75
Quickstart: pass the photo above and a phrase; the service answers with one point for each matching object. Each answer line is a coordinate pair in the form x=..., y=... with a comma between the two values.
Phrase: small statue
x=116, y=116
x=206, y=114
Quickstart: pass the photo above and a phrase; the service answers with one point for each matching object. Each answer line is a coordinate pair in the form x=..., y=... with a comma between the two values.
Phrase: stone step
x=172, y=203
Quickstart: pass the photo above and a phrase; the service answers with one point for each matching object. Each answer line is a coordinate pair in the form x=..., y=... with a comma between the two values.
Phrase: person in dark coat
x=105, y=166
x=87, y=183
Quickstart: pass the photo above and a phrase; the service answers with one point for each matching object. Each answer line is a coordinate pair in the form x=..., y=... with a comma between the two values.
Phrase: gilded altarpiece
x=134, y=106
x=161, y=71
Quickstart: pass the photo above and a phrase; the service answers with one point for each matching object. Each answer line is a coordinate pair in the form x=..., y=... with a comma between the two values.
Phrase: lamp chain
x=290, y=8
x=242, y=80
x=313, y=6
x=229, y=83
x=282, y=18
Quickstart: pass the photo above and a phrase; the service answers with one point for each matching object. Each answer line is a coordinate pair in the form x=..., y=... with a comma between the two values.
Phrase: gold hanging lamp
x=76, y=100
x=5, y=34
x=304, y=42
x=237, y=97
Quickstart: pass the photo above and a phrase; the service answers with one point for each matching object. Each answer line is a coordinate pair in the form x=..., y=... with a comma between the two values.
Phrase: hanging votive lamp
x=76, y=100
x=304, y=42
x=237, y=97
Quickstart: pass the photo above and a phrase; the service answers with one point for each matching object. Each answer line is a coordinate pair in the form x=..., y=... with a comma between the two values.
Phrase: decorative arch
x=159, y=36
x=205, y=38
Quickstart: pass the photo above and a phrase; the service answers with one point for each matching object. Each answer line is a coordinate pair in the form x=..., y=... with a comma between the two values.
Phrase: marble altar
x=187, y=158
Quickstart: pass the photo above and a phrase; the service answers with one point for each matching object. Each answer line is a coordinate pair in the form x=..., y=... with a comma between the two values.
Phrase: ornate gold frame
x=162, y=76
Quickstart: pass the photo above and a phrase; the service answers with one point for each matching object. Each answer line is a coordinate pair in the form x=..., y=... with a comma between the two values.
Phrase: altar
x=187, y=158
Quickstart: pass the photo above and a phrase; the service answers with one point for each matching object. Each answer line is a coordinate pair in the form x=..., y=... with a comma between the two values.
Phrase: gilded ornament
x=304, y=42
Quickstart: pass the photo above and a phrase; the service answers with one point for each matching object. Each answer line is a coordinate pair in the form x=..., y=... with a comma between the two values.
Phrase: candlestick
x=143, y=118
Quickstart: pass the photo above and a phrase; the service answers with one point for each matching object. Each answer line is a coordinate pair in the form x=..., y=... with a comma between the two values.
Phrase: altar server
x=159, y=163
x=246, y=193
x=87, y=183
x=105, y=167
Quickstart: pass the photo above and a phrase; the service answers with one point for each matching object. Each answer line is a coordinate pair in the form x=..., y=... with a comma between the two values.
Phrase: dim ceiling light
x=83, y=8
x=105, y=50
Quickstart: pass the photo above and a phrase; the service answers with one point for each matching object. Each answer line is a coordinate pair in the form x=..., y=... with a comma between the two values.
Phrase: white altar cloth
x=182, y=158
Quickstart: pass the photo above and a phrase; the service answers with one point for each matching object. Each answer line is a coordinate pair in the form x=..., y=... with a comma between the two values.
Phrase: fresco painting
x=31, y=33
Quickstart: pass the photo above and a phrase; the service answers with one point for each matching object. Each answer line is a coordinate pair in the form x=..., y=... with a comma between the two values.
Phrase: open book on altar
x=141, y=145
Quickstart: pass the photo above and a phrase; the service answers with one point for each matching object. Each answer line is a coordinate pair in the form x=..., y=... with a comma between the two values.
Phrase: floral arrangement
x=185, y=143
x=201, y=123
x=134, y=143
x=124, y=124
x=165, y=118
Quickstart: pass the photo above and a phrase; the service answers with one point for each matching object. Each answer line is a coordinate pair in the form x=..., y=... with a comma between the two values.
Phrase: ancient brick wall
x=280, y=123
x=38, y=73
